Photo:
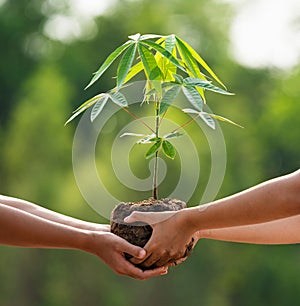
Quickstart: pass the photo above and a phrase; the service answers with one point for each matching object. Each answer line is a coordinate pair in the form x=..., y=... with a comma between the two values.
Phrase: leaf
x=200, y=60
x=153, y=149
x=135, y=37
x=187, y=58
x=168, y=98
x=109, y=60
x=131, y=134
x=168, y=84
x=168, y=149
x=119, y=99
x=148, y=139
x=98, y=107
x=173, y=135
x=207, y=118
x=206, y=85
x=83, y=107
x=164, y=64
x=151, y=68
x=178, y=78
x=225, y=120
x=89, y=101
x=75, y=115
x=134, y=70
x=170, y=42
x=190, y=111
x=125, y=64
x=191, y=64
x=165, y=53
x=193, y=96
x=150, y=36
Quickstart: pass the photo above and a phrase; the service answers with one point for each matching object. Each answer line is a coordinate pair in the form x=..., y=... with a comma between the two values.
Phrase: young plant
x=170, y=66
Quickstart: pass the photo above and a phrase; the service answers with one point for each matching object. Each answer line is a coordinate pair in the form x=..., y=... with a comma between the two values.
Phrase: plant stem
x=155, y=174
x=155, y=188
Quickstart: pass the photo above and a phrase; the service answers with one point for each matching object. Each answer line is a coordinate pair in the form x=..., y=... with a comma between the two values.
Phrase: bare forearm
x=20, y=228
x=50, y=215
x=272, y=200
x=282, y=231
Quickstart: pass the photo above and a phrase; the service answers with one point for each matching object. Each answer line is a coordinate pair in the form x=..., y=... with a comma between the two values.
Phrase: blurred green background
x=46, y=60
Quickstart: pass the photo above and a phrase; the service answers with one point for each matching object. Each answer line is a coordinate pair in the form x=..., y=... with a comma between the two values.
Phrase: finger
x=165, y=260
x=105, y=227
x=173, y=263
x=149, y=217
x=133, y=250
x=134, y=272
x=154, y=272
x=138, y=261
x=153, y=259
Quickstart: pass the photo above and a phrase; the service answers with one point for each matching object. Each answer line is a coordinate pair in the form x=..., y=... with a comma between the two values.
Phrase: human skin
x=267, y=213
x=25, y=224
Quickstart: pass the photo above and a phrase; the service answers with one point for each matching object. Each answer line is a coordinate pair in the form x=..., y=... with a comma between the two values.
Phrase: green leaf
x=150, y=36
x=173, y=135
x=149, y=139
x=89, y=102
x=75, y=115
x=207, y=118
x=178, y=78
x=168, y=98
x=84, y=106
x=170, y=42
x=152, y=91
x=206, y=85
x=119, y=99
x=153, y=149
x=168, y=149
x=187, y=58
x=125, y=64
x=224, y=119
x=109, y=60
x=200, y=60
x=190, y=111
x=193, y=96
x=165, y=53
x=98, y=107
x=135, y=37
x=151, y=68
x=132, y=134
x=134, y=70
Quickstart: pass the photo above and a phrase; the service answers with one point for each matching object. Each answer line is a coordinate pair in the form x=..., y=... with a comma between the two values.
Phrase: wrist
x=203, y=234
x=189, y=222
x=85, y=240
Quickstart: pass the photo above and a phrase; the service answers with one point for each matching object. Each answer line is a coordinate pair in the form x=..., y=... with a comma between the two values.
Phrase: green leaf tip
x=168, y=149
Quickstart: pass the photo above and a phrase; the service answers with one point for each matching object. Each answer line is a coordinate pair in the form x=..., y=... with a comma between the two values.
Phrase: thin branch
x=138, y=118
x=185, y=124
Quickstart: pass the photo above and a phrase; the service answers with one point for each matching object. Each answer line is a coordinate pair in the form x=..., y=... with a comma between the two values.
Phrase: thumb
x=132, y=250
x=149, y=217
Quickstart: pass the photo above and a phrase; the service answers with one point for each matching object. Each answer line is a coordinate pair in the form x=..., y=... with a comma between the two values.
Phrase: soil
x=139, y=233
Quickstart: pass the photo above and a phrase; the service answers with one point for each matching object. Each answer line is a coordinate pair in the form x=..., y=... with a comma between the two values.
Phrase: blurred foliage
x=42, y=80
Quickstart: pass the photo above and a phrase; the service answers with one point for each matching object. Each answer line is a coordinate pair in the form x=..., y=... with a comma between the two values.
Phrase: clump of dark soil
x=139, y=233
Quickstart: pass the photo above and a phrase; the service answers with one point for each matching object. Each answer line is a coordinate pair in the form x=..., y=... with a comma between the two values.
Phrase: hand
x=111, y=249
x=171, y=240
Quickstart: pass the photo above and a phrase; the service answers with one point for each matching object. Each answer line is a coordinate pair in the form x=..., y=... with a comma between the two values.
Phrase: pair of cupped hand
x=172, y=238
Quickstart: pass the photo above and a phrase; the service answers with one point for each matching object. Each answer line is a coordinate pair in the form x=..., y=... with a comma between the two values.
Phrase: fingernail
x=164, y=272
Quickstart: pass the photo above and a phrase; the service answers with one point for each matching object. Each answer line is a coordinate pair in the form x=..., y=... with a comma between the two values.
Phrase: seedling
x=170, y=66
